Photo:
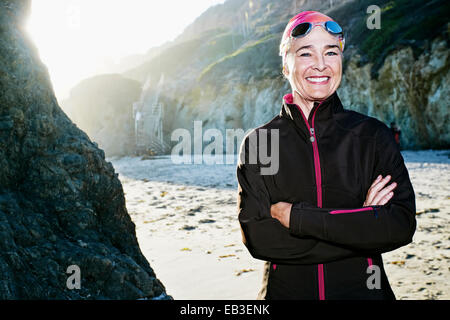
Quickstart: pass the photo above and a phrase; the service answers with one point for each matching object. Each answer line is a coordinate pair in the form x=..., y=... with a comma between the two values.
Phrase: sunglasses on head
x=304, y=28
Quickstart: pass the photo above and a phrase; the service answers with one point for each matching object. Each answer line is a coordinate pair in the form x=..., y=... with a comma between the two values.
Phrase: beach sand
x=187, y=227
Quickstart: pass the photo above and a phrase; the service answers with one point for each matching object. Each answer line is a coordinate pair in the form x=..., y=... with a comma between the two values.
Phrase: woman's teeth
x=322, y=79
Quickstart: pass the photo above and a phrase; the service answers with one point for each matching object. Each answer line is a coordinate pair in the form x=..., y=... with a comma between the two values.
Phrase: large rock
x=61, y=203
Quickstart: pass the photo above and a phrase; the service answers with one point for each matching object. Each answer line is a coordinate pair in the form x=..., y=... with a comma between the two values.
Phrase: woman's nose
x=319, y=63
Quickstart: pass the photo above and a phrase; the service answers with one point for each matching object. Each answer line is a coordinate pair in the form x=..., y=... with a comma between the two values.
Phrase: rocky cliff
x=413, y=92
x=62, y=207
x=225, y=70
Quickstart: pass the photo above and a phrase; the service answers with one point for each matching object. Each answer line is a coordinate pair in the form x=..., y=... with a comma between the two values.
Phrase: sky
x=77, y=39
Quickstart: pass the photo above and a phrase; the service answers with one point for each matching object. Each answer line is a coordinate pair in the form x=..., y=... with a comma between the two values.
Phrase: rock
x=61, y=203
x=186, y=227
x=207, y=221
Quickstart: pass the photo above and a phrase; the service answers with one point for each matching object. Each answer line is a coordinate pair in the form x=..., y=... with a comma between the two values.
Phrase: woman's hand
x=282, y=212
x=378, y=194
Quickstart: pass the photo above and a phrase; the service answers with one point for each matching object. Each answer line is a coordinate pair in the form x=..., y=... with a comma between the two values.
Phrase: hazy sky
x=76, y=38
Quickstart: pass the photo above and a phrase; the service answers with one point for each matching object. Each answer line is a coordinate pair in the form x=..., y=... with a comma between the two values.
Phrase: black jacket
x=326, y=165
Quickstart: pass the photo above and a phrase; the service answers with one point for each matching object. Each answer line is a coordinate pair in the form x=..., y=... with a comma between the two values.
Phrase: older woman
x=341, y=195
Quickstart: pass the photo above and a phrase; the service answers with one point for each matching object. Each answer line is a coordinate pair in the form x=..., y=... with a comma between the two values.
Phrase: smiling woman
x=314, y=68
x=78, y=39
x=324, y=218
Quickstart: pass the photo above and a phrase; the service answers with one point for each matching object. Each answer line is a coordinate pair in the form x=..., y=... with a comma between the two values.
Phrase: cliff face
x=250, y=17
x=61, y=203
x=225, y=70
x=412, y=92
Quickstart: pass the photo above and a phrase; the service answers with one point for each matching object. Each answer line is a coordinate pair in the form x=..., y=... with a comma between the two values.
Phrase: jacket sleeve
x=373, y=228
x=264, y=236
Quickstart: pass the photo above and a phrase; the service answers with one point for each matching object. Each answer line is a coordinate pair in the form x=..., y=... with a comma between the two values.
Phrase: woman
x=324, y=218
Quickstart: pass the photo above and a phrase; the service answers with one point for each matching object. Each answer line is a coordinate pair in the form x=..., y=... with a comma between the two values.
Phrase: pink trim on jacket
x=351, y=210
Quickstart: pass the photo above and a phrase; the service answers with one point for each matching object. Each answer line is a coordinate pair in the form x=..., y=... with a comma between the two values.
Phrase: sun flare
x=78, y=39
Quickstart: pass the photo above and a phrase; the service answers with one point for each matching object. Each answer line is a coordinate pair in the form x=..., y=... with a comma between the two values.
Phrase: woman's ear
x=286, y=71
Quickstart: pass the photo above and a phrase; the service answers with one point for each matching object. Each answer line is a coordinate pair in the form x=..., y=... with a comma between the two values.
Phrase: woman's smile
x=318, y=80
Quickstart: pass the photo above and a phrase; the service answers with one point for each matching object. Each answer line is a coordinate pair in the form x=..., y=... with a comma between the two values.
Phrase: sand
x=187, y=227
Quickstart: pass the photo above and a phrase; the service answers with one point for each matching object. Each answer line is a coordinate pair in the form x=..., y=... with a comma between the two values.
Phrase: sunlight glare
x=77, y=39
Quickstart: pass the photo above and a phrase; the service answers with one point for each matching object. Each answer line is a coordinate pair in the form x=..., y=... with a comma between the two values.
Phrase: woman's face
x=314, y=65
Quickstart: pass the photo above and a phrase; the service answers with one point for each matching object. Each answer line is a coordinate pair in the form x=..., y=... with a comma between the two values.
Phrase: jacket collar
x=325, y=110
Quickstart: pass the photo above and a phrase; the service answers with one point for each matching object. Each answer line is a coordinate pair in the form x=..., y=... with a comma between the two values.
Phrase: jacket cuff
x=304, y=222
x=295, y=220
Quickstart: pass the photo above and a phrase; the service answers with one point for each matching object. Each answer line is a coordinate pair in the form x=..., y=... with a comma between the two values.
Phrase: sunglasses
x=304, y=28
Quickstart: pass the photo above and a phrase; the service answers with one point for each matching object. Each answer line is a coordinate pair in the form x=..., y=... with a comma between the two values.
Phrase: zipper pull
x=311, y=138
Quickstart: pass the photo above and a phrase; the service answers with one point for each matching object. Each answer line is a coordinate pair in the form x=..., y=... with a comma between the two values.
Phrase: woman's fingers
x=380, y=185
x=376, y=180
x=377, y=185
x=378, y=193
x=386, y=198
x=385, y=194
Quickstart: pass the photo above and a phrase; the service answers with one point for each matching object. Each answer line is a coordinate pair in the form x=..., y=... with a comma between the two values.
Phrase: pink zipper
x=313, y=139
x=321, y=282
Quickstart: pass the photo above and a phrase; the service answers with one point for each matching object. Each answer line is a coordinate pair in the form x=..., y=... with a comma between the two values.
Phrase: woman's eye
x=306, y=54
